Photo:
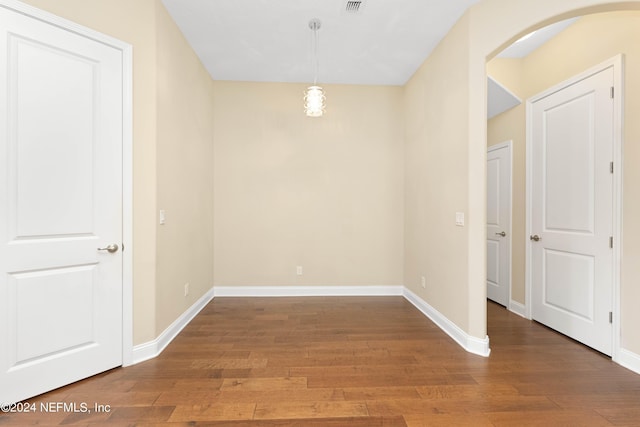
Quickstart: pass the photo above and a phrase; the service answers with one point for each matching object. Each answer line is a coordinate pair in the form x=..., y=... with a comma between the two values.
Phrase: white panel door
x=572, y=210
x=60, y=200
x=499, y=223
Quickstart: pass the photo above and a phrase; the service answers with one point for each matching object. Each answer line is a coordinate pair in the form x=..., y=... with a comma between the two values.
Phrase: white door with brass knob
x=61, y=109
x=499, y=223
x=571, y=208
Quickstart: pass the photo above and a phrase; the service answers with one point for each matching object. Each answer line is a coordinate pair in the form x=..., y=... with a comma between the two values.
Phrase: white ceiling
x=270, y=41
x=532, y=41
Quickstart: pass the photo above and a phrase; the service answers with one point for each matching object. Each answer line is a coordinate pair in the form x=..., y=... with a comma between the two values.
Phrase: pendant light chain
x=316, y=61
x=314, y=98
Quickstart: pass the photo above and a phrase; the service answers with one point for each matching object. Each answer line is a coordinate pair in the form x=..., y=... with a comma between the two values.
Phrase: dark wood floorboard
x=352, y=361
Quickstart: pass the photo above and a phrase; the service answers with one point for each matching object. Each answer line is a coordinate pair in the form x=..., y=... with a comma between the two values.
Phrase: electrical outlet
x=299, y=270
x=423, y=282
x=186, y=289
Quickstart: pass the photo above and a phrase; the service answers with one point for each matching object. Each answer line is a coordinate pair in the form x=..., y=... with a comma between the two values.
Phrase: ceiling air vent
x=354, y=6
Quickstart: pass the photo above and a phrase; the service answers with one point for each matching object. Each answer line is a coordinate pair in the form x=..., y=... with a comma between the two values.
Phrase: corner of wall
x=478, y=346
x=183, y=175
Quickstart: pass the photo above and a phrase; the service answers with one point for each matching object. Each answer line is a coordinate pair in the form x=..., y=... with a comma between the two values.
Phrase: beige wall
x=184, y=174
x=325, y=194
x=161, y=63
x=590, y=41
x=436, y=174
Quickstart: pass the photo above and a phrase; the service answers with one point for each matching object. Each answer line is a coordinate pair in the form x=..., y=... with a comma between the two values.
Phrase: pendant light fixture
x=314, y=99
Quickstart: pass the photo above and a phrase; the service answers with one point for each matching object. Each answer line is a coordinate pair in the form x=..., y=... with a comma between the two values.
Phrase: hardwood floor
x=351, y=361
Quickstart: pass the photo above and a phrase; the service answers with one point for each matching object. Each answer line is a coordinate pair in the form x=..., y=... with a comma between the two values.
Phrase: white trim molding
x=152, y=349
x=628, y=359
x=127, y=207
x=306, y=291
x=518, y=308
x=469, y=343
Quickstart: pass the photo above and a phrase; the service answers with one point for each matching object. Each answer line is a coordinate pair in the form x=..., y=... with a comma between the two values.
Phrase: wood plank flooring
x=351, y=361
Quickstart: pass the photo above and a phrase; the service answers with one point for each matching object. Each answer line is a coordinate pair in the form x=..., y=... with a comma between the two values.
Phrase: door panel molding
x=126, y=53
x=617, y=64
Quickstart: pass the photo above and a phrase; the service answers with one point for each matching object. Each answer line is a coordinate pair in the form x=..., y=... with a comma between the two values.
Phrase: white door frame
x=509, y=145
x=617, y=63
x=127, y=157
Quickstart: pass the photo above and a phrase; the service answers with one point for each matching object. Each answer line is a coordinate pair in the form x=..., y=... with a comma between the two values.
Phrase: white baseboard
x=469, y=343
x=474, y=345
x=517, y=308
x=629, y=360
x=151, y=349
x=306, y=291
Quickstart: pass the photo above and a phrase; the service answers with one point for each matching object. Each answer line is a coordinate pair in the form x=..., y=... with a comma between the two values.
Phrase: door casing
x=617, y=63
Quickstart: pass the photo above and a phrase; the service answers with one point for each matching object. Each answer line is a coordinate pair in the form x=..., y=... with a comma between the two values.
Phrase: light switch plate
x=162, y=217
x=460, y=219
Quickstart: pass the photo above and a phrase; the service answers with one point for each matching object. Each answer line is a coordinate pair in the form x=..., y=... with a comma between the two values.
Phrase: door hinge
x=611, y=317
x=611, y=242
x=612, y=92
x=611, y=167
